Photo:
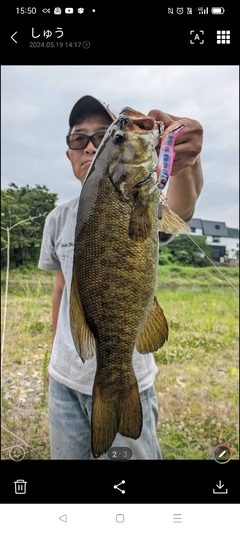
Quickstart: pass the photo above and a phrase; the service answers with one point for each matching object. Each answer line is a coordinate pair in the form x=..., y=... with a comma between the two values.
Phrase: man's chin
x=81, y=178
x=83, y=172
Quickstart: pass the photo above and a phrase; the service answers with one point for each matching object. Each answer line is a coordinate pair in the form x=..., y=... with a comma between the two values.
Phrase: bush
x=166, y=259
x=176, y=269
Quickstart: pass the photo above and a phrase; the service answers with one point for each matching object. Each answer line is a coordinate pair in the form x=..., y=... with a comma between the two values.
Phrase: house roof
x=195, y=223
x=216, y=229
x=209, y=227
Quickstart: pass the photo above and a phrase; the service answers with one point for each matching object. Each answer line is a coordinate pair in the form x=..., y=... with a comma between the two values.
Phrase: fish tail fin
x=130, y=413
x=111, y=415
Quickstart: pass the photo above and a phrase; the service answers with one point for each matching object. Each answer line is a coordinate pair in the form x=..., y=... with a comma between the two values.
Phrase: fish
x=113, y=304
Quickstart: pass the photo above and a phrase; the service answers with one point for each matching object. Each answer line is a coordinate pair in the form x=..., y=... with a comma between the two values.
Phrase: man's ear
x=67, y=154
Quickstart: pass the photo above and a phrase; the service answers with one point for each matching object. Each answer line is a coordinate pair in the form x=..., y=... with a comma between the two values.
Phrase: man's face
x=81, y=159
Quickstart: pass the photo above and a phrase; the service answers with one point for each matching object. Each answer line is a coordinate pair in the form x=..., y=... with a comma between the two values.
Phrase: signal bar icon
x=202, y=11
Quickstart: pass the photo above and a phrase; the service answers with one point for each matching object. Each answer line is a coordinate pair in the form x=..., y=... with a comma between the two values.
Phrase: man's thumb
x=159, y=115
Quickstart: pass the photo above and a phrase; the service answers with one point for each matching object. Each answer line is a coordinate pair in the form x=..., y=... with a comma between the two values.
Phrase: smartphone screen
x=119, y=373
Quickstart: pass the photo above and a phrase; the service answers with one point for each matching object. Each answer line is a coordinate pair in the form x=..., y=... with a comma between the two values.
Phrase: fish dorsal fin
x=82, y=336
x=171, y=222
x=154, y=332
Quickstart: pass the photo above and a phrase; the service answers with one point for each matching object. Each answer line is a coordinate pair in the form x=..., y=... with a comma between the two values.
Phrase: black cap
x=89, y=104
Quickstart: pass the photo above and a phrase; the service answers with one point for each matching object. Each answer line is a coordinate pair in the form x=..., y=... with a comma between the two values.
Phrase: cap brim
x=89, y=104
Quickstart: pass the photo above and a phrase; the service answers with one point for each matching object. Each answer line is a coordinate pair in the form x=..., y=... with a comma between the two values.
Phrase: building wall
x=198, y=231
x=231, y=245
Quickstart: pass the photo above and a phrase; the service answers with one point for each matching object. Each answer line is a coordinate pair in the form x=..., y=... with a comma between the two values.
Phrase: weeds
x=197, y=382
x=24, y=367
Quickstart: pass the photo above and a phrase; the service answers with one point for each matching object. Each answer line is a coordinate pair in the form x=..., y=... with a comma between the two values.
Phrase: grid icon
x=223, y=36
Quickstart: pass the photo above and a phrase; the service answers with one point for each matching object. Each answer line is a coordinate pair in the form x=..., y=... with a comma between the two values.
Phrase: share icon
x=117, y=486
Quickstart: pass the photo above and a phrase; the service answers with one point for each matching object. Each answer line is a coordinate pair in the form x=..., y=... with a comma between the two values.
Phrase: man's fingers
x=159, y=115
x=169, y=120
x=188, y=144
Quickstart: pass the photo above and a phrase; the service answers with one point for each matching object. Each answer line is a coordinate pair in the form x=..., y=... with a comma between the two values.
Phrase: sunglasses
x=79, y=141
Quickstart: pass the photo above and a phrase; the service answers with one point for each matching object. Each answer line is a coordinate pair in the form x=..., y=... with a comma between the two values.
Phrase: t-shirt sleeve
x=49, y=259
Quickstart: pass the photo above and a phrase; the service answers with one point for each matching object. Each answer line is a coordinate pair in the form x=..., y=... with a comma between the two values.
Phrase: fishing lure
x=166, y=156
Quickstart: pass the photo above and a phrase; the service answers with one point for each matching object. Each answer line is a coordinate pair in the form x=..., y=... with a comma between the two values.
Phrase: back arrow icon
x=63, y=518
x=13, y=36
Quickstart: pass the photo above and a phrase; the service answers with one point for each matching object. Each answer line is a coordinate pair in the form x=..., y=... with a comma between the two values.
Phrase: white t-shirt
x=65, y=363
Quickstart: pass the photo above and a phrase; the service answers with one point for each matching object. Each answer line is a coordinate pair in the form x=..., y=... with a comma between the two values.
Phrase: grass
x=197, y=381
x=191, y=276
x=25, y=362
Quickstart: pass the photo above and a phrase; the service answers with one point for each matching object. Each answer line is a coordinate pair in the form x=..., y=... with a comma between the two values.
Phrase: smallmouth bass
x=113, y=306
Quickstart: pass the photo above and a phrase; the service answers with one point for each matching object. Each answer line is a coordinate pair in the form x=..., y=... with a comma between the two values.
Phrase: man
x=71, y=381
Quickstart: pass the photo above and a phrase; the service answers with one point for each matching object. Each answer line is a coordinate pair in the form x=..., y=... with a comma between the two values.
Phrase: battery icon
x=217, y=10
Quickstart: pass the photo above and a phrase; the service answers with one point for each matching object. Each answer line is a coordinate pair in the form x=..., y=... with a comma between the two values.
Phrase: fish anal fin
x=154, y=332
x=82, y=336
x=140, y=222
x=171, y=222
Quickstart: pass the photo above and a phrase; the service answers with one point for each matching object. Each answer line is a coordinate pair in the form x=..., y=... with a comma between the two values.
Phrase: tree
x=19, y=204
x=187, y=251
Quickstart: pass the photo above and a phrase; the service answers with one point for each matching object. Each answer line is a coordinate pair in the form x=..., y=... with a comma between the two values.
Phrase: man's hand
x=188, y=144
x=47, y=379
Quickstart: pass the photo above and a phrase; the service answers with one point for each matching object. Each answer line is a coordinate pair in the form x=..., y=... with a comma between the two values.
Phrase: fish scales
x=113, y=307
x=112, y=257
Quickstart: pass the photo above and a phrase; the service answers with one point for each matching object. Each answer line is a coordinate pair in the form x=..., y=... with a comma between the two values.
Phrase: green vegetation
x=24, y=209
x=190, y=276
x=197, y=381
x=168, y=276
x=185, y=250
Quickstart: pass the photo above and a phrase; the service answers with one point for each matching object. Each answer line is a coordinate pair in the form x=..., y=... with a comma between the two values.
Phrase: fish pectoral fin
x=171, y=222
x=112, y=414
x=140, y=221
x=154, y=332
x=82, y=336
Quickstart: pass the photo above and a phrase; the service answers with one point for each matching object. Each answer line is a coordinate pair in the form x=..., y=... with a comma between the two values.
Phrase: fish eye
x=123, y=121
x=119, y=137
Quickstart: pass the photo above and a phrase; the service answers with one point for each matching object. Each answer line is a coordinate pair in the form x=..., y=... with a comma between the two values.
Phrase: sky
x=36, y=102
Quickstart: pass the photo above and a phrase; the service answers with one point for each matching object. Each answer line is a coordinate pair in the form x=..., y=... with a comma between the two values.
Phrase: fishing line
x=215, y=266
x=209, y=259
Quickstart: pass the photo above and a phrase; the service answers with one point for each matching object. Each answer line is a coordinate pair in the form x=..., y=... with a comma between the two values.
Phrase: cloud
x=36, y=103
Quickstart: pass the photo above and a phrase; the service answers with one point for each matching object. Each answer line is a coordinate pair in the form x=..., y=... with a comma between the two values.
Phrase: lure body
x=166, y=156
